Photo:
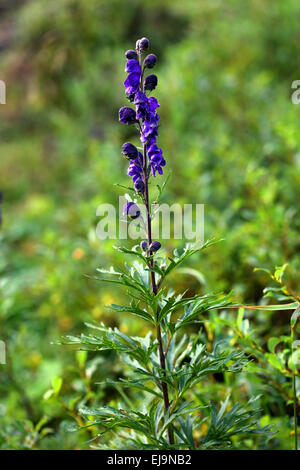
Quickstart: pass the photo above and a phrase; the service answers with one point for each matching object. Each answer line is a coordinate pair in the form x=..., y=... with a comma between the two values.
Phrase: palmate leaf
x=134, y=279
x=193, y=305
x=228, y=422
x=188, y=251
x=109, y=416
x=182, y=410
x=203, y=364
x=189, y=363
x=138, y=349
x=199, y=305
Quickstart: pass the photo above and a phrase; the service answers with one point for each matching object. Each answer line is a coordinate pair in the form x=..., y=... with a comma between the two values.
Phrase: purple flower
x=139, y=186
x=132, y=83
x=153, y=104
x=146, y=115
x=134, y=170
x=141, y=103
x=129, y=150
x=149, y=130
x=155, y=246
x=131, y=54
x=127, y=115
x=144, y=245
x=135, y=167
x=156, y=159
x=131, y=210
x=132, y=66
x=150, y=82
x=150, y=61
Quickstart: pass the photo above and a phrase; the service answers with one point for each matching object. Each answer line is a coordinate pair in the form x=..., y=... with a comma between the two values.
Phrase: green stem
x=295, y=412
x=294, y=397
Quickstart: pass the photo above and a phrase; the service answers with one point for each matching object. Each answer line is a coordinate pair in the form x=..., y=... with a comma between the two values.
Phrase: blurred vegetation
x=230, y=135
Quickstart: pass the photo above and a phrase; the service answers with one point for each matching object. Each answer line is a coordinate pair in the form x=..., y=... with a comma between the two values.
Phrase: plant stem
x=295, y=412
x=294, y=396
x=162, y=360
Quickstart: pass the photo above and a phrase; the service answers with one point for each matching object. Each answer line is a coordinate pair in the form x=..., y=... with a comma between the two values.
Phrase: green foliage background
x=230, y=135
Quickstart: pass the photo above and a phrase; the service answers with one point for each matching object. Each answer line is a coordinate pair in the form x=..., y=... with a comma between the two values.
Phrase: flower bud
x=129, y=150
x=131, y=54
x=142, y=44
x=139, y=185
x=150, y=82
x=131, y=210
x=155, y=246
x=144, y=245
x=127, y=115
x=150, y=61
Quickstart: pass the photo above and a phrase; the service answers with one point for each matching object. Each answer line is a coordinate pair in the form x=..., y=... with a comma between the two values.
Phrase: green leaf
x=272, y=343
x=274, y=361
x=279, y=272
x=134, y=310
x=56, y=384
x=294, y=360
x=295, y=316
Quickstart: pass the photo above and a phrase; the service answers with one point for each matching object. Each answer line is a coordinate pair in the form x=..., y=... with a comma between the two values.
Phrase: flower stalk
x=142, y=164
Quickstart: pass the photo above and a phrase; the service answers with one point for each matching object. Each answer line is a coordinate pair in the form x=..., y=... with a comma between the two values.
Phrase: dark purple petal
x=155, y=246
x=129, y=150
x=150, y=82
x=132, y=83
x=131, y=54
x=150, y=61
x=127, y=115
x=153, y=104
x=132, y=66
x=139, y=185
x=144, y=245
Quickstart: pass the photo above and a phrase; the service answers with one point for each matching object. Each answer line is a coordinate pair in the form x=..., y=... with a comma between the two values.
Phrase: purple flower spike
x=145, y=115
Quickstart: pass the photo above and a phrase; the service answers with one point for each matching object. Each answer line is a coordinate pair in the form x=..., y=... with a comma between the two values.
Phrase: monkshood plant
x=167, y=365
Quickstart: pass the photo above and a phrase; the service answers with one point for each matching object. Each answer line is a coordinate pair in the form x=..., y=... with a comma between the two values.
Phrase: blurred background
x=230, y=135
